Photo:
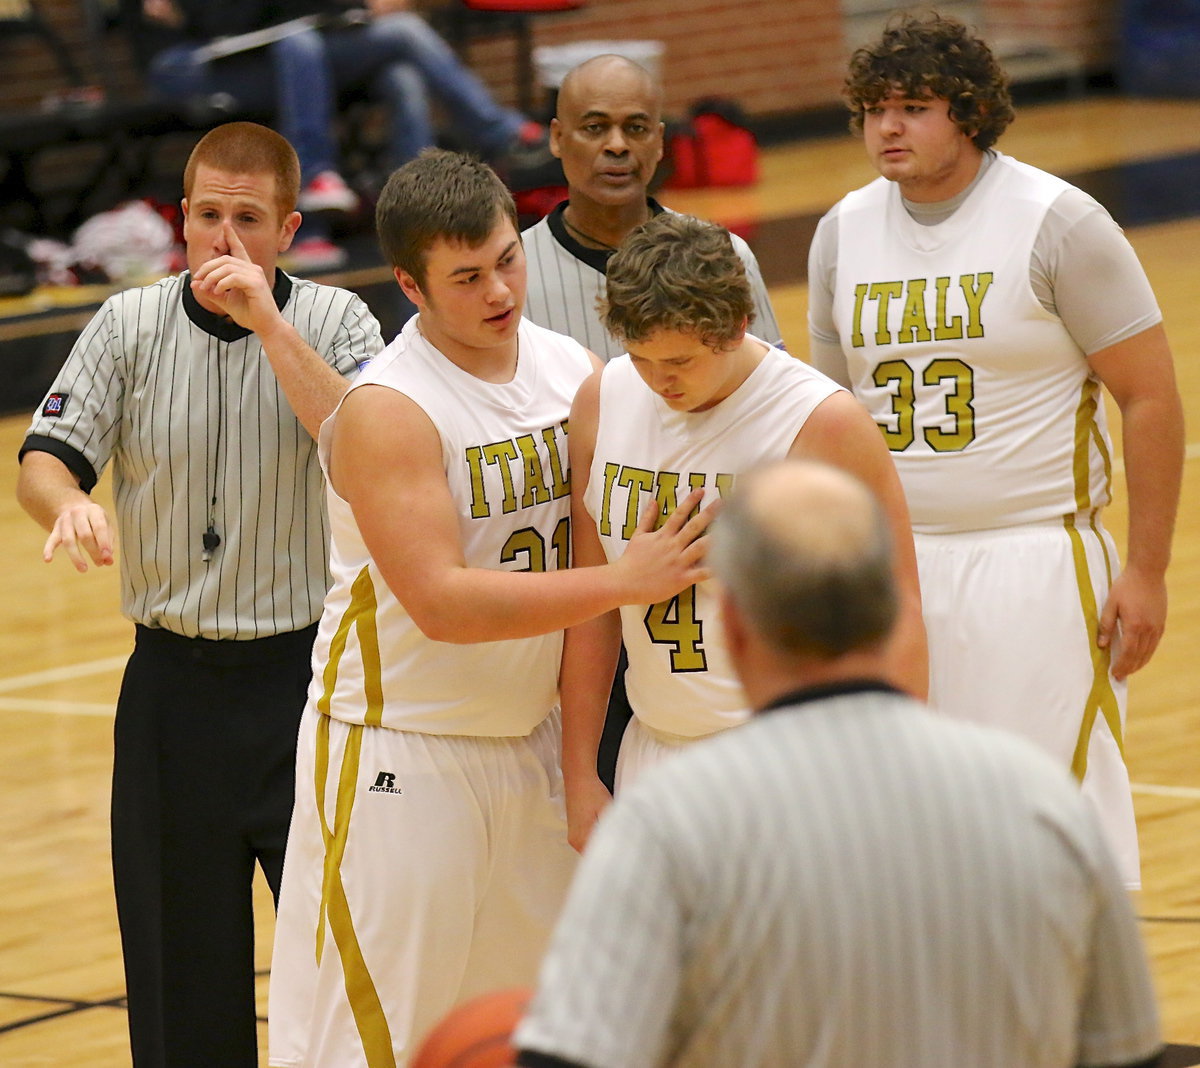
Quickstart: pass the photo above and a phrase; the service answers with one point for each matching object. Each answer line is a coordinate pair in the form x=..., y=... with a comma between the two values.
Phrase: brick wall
x=773, y=56
x=30, y=71
x=1085, y=28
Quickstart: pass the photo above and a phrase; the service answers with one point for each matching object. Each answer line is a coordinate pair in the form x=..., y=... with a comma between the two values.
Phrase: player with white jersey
x=608, y=133
x=993, y=421
x=504, y=448
x=427, y=856
x=977, y=305
x=678, y=680
x=697, y=401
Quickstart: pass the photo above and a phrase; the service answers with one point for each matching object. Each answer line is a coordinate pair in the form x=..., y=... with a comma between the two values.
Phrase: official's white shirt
x=566, y=279
x=186, y=407
x=847, y=881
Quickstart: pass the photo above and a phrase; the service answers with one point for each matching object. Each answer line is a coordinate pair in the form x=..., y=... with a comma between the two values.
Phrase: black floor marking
x=66, y=1007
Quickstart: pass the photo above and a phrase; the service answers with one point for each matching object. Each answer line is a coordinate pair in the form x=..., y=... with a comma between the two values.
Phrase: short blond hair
x=248, y=148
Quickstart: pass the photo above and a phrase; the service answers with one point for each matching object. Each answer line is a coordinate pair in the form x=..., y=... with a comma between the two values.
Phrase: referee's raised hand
x=237, y=285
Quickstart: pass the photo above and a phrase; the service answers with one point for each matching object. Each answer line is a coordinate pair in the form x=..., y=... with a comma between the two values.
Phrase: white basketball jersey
x=986, y=403
x=679, y=679
x=505, y=453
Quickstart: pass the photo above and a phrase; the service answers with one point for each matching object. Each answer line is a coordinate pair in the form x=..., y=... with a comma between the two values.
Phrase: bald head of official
x=804, y=556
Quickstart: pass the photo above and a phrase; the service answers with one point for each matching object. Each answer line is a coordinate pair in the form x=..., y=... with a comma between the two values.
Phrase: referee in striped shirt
x=847, y=879
x=608, y=134
x=205, y=392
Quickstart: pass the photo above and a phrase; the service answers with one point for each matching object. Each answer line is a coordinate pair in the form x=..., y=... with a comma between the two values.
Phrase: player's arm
x=842, y=433
x=610, y=979
x=51, y=494
x=238, y=286
x=1140, y=374
x=590, y=649
x=387, y=465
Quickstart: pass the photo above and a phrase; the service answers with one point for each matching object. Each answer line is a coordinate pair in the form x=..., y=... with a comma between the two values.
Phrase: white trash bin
x=551, y=62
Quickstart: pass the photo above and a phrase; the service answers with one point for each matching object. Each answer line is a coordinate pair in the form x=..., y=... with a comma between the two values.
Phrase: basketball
x=476, y=1033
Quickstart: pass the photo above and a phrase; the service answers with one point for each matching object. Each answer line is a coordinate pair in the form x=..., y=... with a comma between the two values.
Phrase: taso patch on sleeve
x=55, y=405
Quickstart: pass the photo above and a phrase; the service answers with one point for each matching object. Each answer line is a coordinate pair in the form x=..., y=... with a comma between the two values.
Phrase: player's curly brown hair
x=928, y=54
x=677, y=272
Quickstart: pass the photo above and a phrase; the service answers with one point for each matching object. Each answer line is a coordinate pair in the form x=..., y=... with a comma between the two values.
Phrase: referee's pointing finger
x=236, y=248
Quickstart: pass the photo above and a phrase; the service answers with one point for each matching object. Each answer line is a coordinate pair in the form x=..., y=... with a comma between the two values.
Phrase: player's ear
x=556, y=138
x=408, y=285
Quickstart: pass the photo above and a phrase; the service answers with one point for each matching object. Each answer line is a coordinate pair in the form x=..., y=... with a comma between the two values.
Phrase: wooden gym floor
x=64, y=642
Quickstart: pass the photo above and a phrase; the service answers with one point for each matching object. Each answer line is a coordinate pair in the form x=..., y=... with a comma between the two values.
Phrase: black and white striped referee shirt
x=565, y=278
x=847, y=880
x=187, y=408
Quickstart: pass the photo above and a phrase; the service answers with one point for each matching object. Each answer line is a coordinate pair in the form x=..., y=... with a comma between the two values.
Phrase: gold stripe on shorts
x=360, y=987
x=1101, y=697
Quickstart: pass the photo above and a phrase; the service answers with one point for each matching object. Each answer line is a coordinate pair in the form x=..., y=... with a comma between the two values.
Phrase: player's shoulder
x=541, y=339
x=1017, y=170
x=402, y=353
x=618, y=382
x=780, y=365
x=1021, y=183
x=864, y=198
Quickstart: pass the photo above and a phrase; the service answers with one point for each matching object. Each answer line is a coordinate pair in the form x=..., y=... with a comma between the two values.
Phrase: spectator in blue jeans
x=381, y=51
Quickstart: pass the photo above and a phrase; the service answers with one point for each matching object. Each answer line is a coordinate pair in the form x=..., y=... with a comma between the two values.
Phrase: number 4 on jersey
x=674, y=623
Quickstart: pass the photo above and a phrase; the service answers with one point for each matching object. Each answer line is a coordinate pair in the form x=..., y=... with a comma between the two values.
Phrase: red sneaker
x=327, y=192
x=313, y=255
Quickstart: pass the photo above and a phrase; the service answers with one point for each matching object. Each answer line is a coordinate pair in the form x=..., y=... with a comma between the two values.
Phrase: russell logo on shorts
x=385, y=783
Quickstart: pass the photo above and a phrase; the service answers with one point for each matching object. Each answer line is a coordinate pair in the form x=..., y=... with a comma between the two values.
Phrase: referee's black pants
x=203, y=787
